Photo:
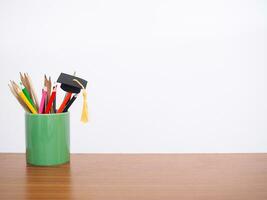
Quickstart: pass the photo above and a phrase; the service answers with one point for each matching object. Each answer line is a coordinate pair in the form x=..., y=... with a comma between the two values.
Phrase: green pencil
x=27, y=94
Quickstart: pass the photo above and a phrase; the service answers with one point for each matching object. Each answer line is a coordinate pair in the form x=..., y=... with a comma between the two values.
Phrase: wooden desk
x=133, y=176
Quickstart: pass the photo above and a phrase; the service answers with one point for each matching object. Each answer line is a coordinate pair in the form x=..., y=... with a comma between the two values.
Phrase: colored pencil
x=70, y=103
x=24, y=98
x=65, y=101
x=43, y=99
x=51, y=100
x=55, y=105
x=27, y=94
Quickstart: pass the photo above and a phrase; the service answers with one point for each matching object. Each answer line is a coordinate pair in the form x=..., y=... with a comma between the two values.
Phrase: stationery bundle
x=70, y=84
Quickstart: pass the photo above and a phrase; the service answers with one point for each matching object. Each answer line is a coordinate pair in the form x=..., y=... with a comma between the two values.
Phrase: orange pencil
x=65, y=101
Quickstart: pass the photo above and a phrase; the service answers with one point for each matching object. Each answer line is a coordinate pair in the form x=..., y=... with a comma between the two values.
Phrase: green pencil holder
x=47, y=139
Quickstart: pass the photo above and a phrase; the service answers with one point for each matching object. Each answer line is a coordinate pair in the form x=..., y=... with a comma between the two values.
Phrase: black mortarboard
x=68, y=85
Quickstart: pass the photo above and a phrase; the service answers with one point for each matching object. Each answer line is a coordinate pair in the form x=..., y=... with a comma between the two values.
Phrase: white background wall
x=164, y=76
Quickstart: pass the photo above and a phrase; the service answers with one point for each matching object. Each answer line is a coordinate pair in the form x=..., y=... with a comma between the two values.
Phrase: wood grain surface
x=138, y=176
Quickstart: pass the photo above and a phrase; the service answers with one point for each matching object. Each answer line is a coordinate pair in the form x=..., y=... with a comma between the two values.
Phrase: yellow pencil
x=24, y=98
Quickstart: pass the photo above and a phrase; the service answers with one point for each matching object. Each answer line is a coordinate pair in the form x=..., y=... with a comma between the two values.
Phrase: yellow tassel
x=84, y=116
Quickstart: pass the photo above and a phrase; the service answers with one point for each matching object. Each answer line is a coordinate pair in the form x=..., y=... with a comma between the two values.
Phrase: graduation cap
x=68, y=83
x=74, y=84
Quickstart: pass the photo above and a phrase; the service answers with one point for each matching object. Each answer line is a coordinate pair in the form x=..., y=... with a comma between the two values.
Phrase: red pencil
x=50, y=102
x=65, y=101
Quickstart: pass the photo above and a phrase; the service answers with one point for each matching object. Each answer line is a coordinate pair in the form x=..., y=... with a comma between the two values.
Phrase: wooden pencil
x=65, y=101
x=18, y=98
x=33, y=93
x=24, y=98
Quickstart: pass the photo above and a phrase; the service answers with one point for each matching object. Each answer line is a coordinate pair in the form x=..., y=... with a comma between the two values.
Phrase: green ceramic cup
x=47, y=138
